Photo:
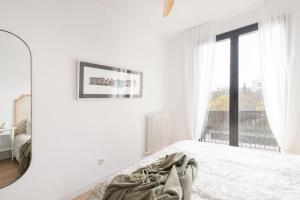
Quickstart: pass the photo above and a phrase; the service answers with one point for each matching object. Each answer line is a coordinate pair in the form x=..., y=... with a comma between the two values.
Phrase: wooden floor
x=8, y=172
x=84, y=196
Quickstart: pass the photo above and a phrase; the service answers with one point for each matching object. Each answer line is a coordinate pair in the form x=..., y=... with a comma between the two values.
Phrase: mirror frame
x=30, y=63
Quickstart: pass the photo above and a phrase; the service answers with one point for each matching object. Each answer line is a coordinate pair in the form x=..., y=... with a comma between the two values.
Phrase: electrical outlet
x=100, y=161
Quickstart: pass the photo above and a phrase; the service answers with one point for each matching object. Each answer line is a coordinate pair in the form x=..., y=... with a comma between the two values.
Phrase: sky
x=249, y=67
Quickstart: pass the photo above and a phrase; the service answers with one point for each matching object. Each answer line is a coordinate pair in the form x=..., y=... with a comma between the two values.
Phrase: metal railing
x=254, y=129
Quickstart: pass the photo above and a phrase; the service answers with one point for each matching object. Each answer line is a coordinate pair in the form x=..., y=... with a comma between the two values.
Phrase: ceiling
x=185, y=14
x=133, y=15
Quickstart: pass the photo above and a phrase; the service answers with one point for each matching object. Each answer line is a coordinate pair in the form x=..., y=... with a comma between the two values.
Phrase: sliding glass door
x=236, y=113
x=254, y=130
x=217, y=126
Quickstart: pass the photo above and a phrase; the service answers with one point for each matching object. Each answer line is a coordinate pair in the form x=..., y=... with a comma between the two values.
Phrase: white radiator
x=158, y=132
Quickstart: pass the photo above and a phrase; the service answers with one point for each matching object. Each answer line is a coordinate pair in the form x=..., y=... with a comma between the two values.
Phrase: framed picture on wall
x=99, y=81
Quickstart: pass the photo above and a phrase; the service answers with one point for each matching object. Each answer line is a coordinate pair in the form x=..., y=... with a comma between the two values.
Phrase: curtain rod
x=253, y=7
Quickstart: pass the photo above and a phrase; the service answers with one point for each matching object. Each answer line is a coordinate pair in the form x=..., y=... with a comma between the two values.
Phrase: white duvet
x=231, y=173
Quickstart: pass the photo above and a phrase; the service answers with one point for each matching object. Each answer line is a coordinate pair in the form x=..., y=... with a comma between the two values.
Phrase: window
x=236, y=113
x=217, y=126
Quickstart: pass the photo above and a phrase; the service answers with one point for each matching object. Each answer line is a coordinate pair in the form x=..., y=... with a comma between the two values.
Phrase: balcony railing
x=254, y=130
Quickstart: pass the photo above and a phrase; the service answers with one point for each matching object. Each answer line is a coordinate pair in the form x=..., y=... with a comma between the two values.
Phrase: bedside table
x=8, y=132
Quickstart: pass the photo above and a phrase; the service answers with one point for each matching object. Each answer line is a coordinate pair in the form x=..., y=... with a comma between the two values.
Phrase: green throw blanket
x=169, y=178
x=25, y=157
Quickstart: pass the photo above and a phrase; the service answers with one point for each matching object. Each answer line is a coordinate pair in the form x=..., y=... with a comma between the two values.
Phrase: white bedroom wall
x=296, y=81
x=69, y=135
x=174, y=85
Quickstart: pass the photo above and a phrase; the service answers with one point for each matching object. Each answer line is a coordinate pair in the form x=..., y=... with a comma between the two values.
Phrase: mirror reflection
x=15, y=108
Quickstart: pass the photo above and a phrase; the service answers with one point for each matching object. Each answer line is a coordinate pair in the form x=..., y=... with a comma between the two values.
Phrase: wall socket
x=100, y=161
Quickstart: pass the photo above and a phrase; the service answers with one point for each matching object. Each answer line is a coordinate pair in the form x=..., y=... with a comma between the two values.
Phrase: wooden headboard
x=22, y=109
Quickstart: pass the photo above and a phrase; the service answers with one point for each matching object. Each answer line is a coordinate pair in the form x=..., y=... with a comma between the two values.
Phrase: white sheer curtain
x=199, y=55
x=276, y=44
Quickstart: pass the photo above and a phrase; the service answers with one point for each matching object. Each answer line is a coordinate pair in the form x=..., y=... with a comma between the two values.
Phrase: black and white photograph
x=99, y=81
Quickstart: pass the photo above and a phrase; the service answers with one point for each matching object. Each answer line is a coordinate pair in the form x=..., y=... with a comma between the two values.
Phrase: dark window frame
x=234, y=78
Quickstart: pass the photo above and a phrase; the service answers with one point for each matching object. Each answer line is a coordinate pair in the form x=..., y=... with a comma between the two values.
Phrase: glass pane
x=15, y=108
x=254, y=130
x=217, y=124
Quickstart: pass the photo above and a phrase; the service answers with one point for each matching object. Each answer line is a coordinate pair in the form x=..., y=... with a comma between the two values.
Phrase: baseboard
x=91, y=185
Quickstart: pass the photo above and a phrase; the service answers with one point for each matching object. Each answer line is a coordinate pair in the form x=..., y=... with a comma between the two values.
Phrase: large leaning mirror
x=15, y=107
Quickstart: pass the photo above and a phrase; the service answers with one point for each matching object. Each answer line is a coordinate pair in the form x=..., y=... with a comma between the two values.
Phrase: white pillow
x=28, y=127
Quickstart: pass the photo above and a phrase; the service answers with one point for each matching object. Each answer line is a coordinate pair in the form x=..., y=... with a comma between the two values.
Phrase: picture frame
x=99, y=81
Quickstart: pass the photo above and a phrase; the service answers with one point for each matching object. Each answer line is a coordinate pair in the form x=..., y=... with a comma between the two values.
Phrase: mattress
x=231, y=173
x=19, y=140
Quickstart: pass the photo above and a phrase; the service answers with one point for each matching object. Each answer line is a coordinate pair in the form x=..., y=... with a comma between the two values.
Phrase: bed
x=22, y=121
x=20, y=140
x=231, y=173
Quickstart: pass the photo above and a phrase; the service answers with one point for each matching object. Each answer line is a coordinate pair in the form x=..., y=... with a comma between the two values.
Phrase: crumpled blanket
x=170, y=178
x=25, y=157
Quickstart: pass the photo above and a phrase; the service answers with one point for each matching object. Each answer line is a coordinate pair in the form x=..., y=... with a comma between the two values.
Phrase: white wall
x=174, y=86
x=295, y=147
x=69, y=135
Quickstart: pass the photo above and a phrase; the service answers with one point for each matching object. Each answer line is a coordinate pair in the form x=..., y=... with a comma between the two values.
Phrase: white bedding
x=18, y=142
x=231, y=173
